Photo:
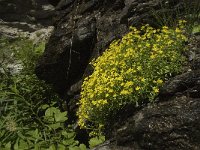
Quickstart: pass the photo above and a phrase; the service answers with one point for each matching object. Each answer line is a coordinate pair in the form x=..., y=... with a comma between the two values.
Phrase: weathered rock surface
x=30, y=18
x=29, y=11
x=84, y=29
x=171, y=125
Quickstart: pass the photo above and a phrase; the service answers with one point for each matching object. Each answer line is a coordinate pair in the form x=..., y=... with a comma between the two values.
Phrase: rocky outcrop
x=29, y=11
x=171, y=125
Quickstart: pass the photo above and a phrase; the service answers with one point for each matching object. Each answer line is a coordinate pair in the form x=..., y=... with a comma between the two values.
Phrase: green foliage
x=196, y=29
x=187, y=10
x=29, y=113
x=131, y=70
x=96, y=141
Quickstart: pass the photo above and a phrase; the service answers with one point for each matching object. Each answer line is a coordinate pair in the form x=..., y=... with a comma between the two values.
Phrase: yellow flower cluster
x=131, y=69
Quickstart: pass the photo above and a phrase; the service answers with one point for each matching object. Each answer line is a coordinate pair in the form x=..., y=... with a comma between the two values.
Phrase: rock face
x=171, y=125
x=29, y=11
x=29, y=18
x=84, y=29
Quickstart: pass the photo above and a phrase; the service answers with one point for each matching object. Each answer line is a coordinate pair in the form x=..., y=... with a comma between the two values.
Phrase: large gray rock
x=171, y=125
x=29, y=11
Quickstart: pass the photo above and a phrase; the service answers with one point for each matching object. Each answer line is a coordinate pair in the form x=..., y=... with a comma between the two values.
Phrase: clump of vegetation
x=130, y=71
x=187, y=10
x=29, y=114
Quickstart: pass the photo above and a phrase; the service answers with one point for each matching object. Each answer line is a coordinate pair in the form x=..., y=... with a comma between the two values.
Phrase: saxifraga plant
x=129, y=71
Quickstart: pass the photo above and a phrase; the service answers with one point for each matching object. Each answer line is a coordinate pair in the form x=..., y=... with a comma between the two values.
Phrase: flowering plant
x=130, y=70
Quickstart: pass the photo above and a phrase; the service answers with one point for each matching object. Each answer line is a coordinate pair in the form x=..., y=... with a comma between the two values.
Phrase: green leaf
x=82, y=147
x=96, y=141
x=68, y=142
x=16, y=146
x=8, y=146
x=51, y=111
x=45, y=106
x=74, y=148
x=61, y=147
x=52, y=147
x=55, y=126
x=61, y=117
x=23, y=145
x=36, y=134
x=68, y=134
x=196, y=29
x=21, y=135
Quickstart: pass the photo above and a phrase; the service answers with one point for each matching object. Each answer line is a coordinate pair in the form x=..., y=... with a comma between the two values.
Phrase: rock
x=36, y=33
x=29, y=11
x=69, y=52
x=53, y=2
x=63, y=4
x=174, y=124
x=181, y=83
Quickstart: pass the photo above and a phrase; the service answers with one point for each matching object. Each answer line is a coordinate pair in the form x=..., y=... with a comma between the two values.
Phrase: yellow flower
x=178, y=30
x=124, y=92
x=155, y=89
x=129, y=66
x=143, y=79
x=139, y=68
x=128, y=84
x=159, y=81
x=137, y=88
x=153, y=56
x=148, y=45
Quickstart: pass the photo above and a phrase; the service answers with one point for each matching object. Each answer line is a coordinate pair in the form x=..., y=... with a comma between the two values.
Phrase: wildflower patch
x=129, y=71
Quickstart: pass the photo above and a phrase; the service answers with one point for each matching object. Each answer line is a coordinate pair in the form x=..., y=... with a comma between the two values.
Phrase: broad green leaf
x=8, y=146
x=52, y=147
x=16, y=146
x=36, y=134
x=45, y=106
x=82, y=147
x=68, y=134
x=61, y=117
x=61, y=147
x=74, y=148
x=55, y=126
x=51, y=111
x=21, y=135
x=23, y=145
x=96, y=141
x=68, y=142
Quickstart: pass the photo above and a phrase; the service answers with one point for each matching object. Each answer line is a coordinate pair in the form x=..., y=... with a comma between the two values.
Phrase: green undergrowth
x=130, y=71
x=29, y=114
x=185, y=10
